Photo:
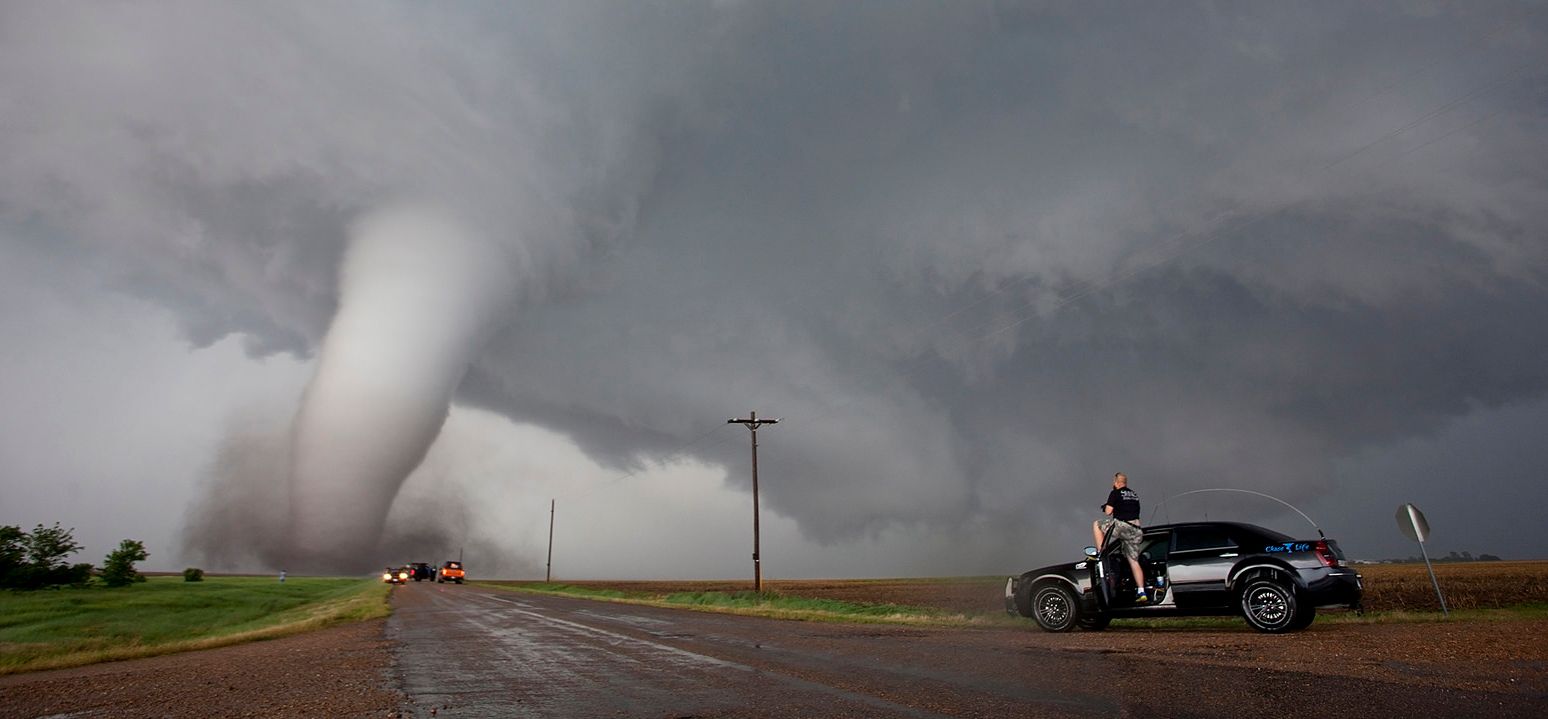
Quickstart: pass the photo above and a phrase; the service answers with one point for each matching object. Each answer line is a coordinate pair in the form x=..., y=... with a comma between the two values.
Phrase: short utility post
x=752, y=423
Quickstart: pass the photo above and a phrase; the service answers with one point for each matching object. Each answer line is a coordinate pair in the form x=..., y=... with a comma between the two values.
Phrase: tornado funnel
x=417, y=294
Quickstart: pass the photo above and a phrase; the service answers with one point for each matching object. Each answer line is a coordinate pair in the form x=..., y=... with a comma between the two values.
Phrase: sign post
x=1413, y=525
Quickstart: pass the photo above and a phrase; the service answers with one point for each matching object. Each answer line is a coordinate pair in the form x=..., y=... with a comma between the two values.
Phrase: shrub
x=193, y=574
x=118, y=568
x=77, y=575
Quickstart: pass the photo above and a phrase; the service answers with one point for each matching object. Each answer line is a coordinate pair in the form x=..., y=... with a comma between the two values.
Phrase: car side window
x=1155, y=547
x=1199, y=538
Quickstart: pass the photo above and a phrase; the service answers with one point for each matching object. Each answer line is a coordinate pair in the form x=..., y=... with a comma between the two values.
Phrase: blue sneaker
x=1141, y=597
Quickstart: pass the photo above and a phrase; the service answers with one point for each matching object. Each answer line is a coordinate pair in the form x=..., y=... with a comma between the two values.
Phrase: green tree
x=44, y=551
x=13, y=554
x=118, y=568
x=47, y=547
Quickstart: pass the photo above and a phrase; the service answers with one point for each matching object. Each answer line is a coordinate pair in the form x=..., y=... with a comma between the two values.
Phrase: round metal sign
x=1411, y=521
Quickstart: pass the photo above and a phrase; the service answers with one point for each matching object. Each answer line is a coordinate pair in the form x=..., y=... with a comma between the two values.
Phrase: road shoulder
x=342, y=671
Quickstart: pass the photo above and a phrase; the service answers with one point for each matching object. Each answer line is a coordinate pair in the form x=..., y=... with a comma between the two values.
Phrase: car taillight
x=1325, y=553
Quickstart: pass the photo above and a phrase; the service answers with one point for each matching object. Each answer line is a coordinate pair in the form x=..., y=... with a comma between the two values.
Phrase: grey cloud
x=980, y=255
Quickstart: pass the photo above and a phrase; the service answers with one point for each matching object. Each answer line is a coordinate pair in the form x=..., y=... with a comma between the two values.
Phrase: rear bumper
x=1335, y=587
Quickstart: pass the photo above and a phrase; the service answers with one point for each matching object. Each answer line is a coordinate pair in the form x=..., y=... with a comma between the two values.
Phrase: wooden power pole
x=753, y=423
x=549, y=575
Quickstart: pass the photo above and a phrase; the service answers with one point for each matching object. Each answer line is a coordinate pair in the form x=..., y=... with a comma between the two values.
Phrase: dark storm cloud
x=978, y=276
x=980, y=256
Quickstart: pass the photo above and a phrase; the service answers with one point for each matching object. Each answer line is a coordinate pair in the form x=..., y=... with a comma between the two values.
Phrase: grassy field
x=69, y=627
x=769, y=604
x=1393, y=592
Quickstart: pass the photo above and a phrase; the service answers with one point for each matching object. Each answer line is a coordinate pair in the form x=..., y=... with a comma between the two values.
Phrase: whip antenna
x=1243, y=491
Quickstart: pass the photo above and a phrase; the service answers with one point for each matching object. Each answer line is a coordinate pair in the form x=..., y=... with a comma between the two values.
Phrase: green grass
x=781, y=606
x=779, y=602
x=574, y=591
x=768, y=604
x=69, y=627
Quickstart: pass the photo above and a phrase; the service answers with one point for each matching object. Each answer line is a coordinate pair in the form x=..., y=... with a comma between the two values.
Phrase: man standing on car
x=1123, y=511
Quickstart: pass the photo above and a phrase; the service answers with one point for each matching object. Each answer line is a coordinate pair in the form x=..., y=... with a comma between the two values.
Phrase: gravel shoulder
x=1498, y=656
x=342, y=671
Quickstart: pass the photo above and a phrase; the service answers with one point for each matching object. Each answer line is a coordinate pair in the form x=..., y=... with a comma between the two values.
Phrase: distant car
x=420, y=571
x=396, y=576
x=450, y=572
x=1273, y=581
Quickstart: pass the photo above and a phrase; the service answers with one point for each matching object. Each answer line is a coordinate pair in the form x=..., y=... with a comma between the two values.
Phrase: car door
x=1201, y=557
x=1154, y=551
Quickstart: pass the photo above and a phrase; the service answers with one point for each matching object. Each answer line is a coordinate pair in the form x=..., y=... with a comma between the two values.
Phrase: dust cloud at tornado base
x=241, y=519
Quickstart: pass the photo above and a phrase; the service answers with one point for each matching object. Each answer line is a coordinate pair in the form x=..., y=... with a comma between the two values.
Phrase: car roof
x=1224, y=525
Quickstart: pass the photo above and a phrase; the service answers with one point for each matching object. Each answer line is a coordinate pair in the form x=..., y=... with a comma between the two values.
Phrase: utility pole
x=752, y=423
x=549, y=576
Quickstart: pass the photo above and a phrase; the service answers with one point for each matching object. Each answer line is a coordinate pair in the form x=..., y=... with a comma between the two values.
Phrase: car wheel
x=1304, y=615
x=1054, y=607
x=459, y=581
x=1269, y=606
x=1096, y=623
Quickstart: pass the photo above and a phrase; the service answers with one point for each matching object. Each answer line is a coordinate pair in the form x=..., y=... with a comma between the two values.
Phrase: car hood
x=1070, y=569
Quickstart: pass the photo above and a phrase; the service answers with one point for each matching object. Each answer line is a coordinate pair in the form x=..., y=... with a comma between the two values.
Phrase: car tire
x=1269, y=606
x=1305, y=614
x=1055, y=607
x=1096, y=623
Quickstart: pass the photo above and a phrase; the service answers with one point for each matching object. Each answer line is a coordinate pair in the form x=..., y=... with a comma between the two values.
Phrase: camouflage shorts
x=1127, y=535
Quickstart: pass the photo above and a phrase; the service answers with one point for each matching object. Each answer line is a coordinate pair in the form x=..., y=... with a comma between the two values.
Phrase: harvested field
x=1388, y=587
x=1467, y=585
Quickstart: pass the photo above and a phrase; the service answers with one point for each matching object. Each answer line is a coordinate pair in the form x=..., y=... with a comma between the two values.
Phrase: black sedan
x=1201, y=568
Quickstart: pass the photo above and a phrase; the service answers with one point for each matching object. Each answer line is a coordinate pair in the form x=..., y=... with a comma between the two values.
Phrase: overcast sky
x=978, y=256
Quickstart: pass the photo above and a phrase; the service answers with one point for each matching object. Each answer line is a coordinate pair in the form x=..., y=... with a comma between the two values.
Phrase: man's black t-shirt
x=1125, y=503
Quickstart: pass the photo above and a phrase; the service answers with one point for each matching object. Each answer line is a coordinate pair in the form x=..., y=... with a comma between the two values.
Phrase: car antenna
x=1244, y=491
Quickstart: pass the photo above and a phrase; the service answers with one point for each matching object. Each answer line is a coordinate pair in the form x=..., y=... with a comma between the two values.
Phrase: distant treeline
x=1450, y=557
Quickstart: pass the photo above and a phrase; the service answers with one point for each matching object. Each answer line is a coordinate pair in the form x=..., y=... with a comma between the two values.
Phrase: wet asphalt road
x=462, y=651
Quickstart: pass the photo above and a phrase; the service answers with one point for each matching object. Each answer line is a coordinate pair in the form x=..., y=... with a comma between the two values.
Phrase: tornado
x=418, y=292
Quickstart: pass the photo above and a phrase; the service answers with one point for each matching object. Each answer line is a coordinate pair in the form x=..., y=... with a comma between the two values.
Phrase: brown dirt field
x=1466, y=585
x=1388, y=587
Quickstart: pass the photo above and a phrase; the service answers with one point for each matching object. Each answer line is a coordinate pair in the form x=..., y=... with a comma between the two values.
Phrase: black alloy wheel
x=1270, y=606
x=1054, y=607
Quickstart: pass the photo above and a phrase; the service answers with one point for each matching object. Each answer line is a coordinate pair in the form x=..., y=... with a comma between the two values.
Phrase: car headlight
x=387, y=576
